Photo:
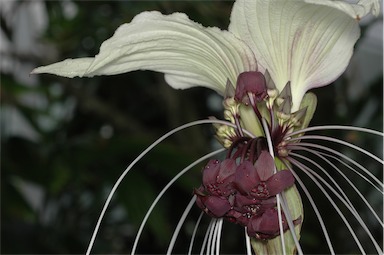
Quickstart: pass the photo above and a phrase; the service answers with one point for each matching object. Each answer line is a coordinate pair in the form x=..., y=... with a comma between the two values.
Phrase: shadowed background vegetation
x=66, y=141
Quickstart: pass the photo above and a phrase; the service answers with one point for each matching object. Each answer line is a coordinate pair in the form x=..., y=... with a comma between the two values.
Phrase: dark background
x=64, y=142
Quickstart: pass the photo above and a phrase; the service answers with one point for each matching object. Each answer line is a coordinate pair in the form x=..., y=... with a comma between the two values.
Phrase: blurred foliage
x=88, y=130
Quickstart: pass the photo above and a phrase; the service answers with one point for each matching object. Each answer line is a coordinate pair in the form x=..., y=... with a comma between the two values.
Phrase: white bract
x=308, y=43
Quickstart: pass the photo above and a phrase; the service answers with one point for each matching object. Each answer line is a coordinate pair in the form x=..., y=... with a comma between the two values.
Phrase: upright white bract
x=308, y=44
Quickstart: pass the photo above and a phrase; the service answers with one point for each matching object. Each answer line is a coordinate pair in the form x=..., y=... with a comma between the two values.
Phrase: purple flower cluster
x=244, y=193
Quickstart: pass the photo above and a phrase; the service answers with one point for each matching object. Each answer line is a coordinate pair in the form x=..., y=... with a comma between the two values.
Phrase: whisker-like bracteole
x=215, y=246
x=180, y=223
x=379, y=184
x=323, y=156
x=352, y=232
x=335, y=140
x=218, y=238
x=247, y=242
x=345, y=200
x=315, y=177
x=334, y=127
x=207, y=235
x=194, y=233
x=326, y=154
x=315, y=208
x=210, y=236
x=182, y=172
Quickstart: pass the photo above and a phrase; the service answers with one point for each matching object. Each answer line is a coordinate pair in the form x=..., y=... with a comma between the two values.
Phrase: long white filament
x=328, y=175
x=311, y=174
x=335, y=127
x=180, y=224
x=320, y=155
x=378, y=182
x=313, y=204
x=331, y=139
x=347, y=202
x=270, y=148
x=122, y=176
x=344, y=200
x=215, y=241
x=247, y=242
x=210, y=237
x=218, y=238
x=164, y=190
x=301, y=167
x=207, y=234
x=194, y=233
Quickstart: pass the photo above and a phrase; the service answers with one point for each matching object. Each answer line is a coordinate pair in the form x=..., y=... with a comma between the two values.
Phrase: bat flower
x=243, y=193
x=215, y=206
x=247, y=207
x=218, y=177
x=273, y=52
x=215, y=196
x=265, y=226
x=259, y=181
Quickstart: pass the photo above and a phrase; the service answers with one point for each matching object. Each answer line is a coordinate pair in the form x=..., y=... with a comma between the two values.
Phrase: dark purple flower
x=213, y=205
x=251, y=205
x=213, y=195
x=251, y=82
x=218, y=177
x=244, y=194
x=258, y=180
x=266, y=225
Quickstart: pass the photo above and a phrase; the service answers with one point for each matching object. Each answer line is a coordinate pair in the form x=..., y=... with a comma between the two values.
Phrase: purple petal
x=210, y=172
x=217, y=206
x=237, y=217
x=224, y=189
x=233, y=214
x=265, y=226
x=227, y=169
x=265, y=165
x=253, y=82
x=246, y=177
x=270, y=202
x=279, y=182
x=267, y=204
x=241, y=200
